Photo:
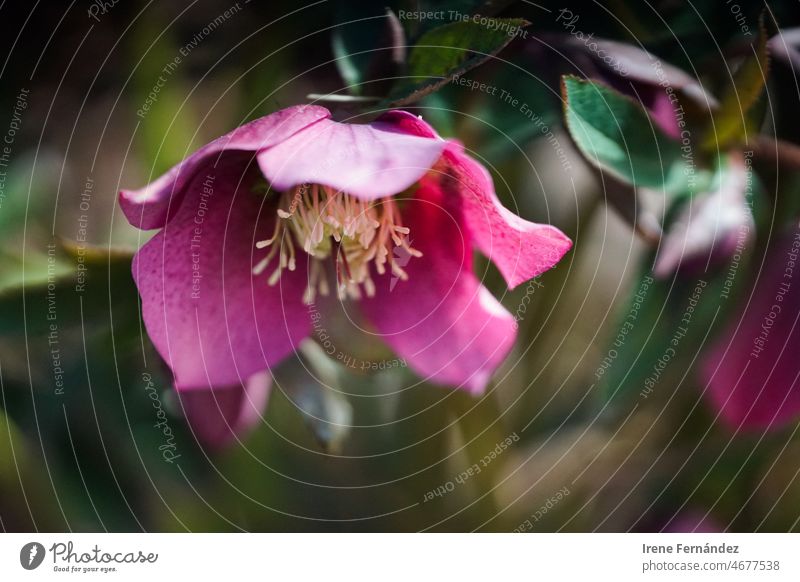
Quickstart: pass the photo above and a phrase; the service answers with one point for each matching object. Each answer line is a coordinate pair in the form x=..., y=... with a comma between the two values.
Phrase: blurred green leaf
x=80, y=382
x=67, y=285
x=480, y=423
x=661, y=331
x=368, y=43
x=449, y=51
x=29, y=183
x=167, y=124
x=26, y=503
x=520, y=109
x=33, y=271
x=737, y=116
x=615, y=134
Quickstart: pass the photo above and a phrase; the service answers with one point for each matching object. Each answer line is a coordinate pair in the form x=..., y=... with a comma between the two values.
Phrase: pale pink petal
x=152, y=206
x=785, y=46
x=521, y=249
x=659, y=85
x=752, y=370
x=368, y=161
x=214, y=322
x=220, y=416
x=711, y=227
x=447, y=325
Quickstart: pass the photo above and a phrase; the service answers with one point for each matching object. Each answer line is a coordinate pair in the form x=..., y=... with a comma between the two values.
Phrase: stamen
x=353, y=233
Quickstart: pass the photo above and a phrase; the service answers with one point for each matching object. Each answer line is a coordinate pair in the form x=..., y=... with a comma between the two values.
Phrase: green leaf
x=616, y=135
x=737, y=116
x=447, y=52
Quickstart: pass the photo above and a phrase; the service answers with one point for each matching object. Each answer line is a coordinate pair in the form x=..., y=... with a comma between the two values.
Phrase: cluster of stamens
x=325, y=223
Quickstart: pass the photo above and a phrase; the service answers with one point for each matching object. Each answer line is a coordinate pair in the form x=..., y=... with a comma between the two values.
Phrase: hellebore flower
x=712, y=227
x=643, y=76
x=258, y=223
x=751, y=371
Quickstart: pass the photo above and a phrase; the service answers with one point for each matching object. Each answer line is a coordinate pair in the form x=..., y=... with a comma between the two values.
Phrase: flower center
x=326, y=223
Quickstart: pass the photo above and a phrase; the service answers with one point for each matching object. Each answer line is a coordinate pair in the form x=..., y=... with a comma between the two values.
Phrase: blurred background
x=583, y=428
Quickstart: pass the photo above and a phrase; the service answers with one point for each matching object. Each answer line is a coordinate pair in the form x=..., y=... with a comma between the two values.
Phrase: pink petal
x=521, y=249
x=640, y=65
x=405, y=122
x=211, y=320
x=219, y=416
x=662, y=110
x=367, y=161
x=752, y=371
x=152, y=206
x=447, y=325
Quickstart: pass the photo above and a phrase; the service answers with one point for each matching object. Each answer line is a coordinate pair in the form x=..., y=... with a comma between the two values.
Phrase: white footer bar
x=401, y=557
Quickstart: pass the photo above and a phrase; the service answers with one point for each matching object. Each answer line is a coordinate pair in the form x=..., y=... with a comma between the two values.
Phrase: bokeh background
x=586, y=446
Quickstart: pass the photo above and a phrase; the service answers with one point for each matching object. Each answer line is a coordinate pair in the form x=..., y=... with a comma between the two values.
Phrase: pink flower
x=752, y=371
x=258, y=223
